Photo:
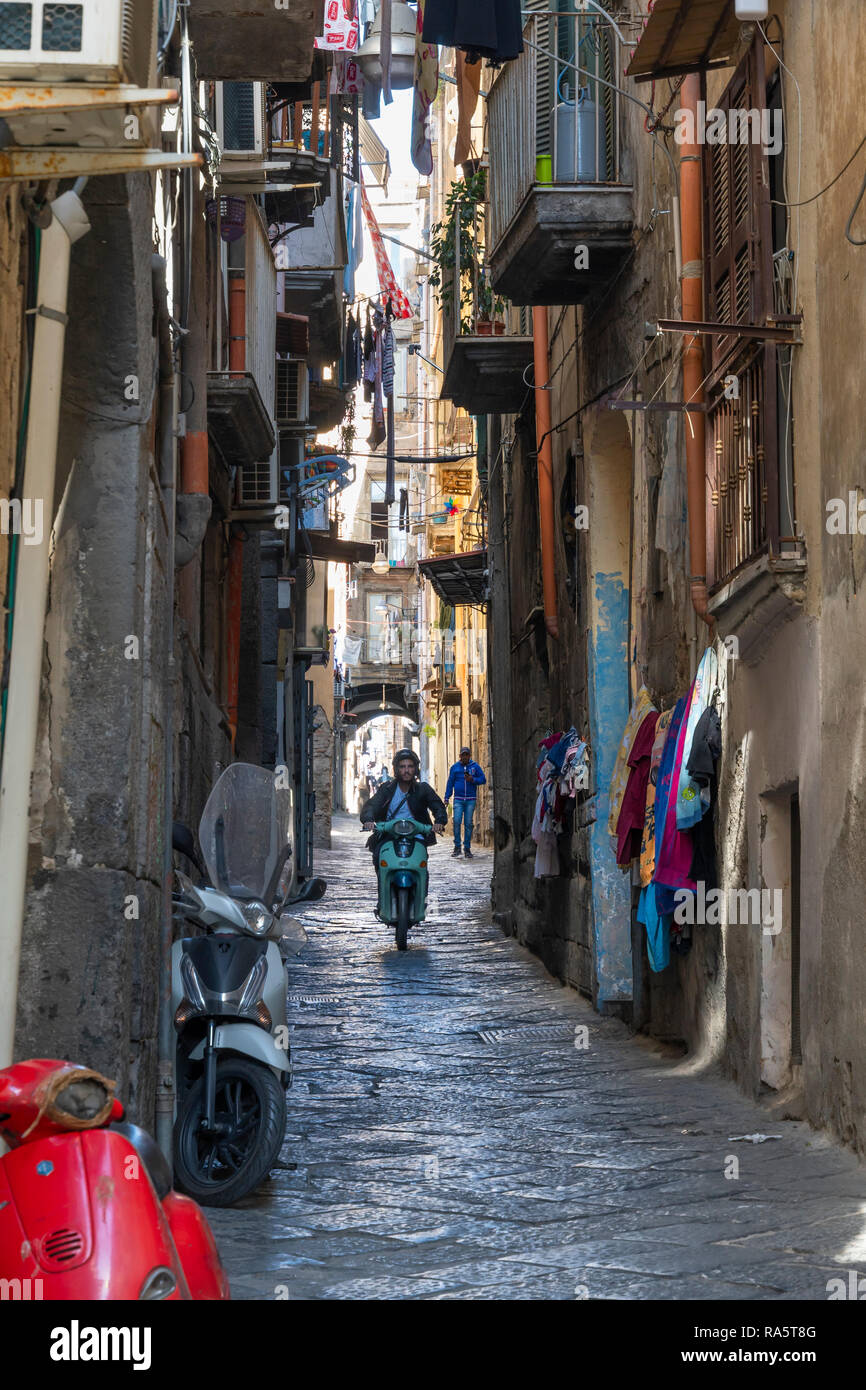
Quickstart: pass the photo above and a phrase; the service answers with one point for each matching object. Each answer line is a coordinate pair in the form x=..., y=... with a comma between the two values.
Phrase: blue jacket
x=463, y=789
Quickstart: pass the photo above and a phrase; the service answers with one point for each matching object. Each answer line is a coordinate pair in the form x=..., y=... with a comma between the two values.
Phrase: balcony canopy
x=684, y=36
x=255, y=41
x=458, y=578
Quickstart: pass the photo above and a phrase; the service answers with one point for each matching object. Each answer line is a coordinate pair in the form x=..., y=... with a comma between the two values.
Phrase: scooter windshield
x=245, y=832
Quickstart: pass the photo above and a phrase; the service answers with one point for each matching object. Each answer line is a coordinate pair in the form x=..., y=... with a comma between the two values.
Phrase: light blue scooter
x=401, y=867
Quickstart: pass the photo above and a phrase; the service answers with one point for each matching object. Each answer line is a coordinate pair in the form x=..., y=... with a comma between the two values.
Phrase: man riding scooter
x=400, y=813
x=404, y=794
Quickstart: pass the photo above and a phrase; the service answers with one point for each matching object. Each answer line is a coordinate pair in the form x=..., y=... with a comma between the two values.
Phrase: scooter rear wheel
x=401, y=935
x=251, y=1108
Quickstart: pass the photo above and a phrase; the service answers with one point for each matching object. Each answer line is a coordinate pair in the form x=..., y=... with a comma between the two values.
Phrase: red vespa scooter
x=86, y=1205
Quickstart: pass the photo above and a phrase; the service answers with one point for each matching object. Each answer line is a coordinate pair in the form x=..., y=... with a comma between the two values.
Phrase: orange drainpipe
x=545, y=469
x=234, y=580
x=234, y=576
x=237, y=324
x=691, y=205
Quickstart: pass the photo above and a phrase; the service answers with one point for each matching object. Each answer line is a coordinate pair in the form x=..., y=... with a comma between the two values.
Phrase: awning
x=341, y=552
x=686, y=36
x=458, y=578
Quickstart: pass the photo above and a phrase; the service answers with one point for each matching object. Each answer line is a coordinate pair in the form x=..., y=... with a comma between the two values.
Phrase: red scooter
x=87, y=1210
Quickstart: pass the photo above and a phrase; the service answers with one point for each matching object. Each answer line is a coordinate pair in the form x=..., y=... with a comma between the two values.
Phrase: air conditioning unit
x=105, y=41
x=258, y=484
x=293, y=392
x=240, y=119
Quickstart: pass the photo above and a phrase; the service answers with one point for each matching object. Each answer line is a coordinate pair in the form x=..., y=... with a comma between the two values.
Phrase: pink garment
x=629, y=827
x=674, y=857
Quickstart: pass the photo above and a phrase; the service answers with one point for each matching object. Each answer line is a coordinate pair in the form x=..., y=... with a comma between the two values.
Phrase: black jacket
x=421, y=800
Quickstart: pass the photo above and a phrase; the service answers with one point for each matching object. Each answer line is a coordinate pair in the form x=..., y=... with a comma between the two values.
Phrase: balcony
x=313, y=260
x=240, y=401
x=560, y=208
x=258, y=40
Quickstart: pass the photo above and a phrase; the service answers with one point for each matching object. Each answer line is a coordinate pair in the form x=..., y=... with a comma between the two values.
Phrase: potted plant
x=491, y=307
x=461, y=218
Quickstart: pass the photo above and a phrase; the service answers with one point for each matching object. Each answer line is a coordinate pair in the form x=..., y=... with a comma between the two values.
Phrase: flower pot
x=484, y=328
x=499, y=328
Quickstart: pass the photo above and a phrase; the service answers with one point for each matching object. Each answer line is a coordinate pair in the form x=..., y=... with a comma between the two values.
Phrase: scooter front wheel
x=218, y=1169
x=401, y=935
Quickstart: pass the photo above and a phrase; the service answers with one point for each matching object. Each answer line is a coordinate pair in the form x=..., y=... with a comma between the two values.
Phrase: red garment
x=629, y=827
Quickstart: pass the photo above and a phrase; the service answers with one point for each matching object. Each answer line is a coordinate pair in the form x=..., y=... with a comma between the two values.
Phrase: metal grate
x=527, y=1032
x=737, y=462
x=288, y=392
x=239, y=115
x=255, y=482
x=16, y=25
x=62, y=27
x=62, y=1246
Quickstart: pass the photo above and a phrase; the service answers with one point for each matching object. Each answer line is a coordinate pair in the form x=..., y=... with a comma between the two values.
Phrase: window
x=742, y=436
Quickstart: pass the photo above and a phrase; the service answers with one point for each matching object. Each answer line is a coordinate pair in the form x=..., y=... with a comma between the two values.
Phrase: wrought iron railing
x=554, y=113
x=322, y=126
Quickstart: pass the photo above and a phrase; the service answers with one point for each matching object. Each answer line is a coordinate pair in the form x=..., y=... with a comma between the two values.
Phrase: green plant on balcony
x=461, y=219
x=491, y=309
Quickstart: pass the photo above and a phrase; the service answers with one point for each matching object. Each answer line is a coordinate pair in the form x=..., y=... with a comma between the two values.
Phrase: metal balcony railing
x=552, y=124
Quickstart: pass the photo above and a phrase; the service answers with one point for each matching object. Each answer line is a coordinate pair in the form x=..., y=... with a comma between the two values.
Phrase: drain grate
x=316, y=999
x=525, y=1032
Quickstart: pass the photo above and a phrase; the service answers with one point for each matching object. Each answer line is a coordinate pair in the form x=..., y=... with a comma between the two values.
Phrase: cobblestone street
x=448, y=1140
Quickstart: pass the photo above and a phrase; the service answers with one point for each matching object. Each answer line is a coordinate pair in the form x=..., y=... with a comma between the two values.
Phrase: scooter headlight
x=160, y=1283
x=403, y=827
x=257, y=918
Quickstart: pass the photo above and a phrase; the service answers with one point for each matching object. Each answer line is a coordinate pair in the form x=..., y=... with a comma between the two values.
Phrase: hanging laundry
x=354, y=240
x=387, y=283
x=648, y=839
x=638, y=713
x=388, y=388
x=658, y=929
x=352, y=650
x=491, y=29
x=673, y=847
x=690, y=806
x=561, y=771
x=704, y=756
x=426, y=84
x=468, y=77
x=633, y=811
x=403, y=523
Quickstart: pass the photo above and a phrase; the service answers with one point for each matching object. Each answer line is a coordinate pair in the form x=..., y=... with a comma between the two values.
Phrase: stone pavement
x=447, y=1138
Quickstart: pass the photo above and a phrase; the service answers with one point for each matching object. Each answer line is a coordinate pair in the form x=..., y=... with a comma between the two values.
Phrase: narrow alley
x=447, y=1138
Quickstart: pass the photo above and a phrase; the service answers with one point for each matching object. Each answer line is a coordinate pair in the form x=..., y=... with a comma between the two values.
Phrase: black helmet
x=406, y=753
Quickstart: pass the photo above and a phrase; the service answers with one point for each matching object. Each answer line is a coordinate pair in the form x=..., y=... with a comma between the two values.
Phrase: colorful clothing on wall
x=640, y=709
x=648, y=839
x=633, y=810
x=691, y=805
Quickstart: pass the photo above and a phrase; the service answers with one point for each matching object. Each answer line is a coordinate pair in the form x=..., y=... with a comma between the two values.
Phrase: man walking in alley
x=464, y=779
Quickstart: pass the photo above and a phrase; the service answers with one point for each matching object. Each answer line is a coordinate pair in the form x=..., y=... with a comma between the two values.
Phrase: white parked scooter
x=229, y=989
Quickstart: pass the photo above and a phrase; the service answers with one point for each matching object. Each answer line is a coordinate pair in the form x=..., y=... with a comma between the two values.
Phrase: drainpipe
x=545, y=469
x=68, y=223
x=693, y=355
x=234, y=577
x=167, y=444
x=234, y=580
x=193, y=503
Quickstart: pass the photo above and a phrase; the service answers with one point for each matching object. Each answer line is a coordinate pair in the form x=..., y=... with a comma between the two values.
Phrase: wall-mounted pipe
x=68, y=223
x=234, y=587
x=545, y=469
x=691, y=202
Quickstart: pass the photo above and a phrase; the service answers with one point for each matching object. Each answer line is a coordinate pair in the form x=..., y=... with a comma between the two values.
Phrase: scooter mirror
x=182, y=841
x=293, y=936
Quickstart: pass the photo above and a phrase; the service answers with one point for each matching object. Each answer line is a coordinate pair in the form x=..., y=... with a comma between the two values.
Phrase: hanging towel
x=426, y=85
x=674, y=847
x=658, y=929
x=690, y=806
x=648, y=840
x=633, y=811
x=468, y=87
x=639, y=711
